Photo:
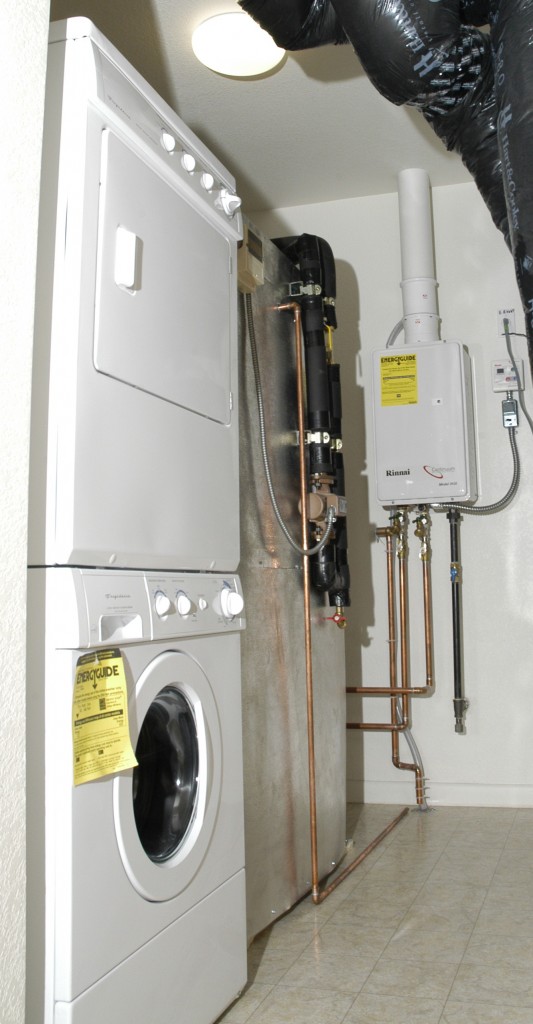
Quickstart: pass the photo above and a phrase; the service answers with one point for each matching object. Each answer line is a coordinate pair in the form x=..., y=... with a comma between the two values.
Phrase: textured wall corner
x=22, y=72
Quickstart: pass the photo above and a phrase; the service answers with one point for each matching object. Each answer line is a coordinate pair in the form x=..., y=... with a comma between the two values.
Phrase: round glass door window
x=165, y=809
x=165, y=783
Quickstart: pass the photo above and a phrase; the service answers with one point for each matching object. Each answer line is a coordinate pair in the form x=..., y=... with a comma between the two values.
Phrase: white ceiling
x=314, y=130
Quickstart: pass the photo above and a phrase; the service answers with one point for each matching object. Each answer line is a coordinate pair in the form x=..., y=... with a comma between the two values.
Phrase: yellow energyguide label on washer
x=399, y=380
x=100, y=729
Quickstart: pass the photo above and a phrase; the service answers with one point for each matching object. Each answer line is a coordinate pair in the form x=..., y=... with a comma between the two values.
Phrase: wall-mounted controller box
x=424, y=424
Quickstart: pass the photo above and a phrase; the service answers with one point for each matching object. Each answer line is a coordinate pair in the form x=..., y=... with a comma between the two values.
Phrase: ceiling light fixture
x=234, y=44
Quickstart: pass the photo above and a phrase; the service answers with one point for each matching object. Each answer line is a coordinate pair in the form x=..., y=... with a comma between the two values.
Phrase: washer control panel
x=96, y=608
x=187, y=604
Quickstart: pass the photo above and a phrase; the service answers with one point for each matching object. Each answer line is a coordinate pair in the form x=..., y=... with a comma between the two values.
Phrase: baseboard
x=440, y=794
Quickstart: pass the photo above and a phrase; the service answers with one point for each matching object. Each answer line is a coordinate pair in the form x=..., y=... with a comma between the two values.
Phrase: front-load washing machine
x=136, y=875
x=134, y=448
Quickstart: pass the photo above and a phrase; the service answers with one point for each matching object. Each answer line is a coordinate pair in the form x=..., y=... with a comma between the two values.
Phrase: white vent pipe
x=419, y=288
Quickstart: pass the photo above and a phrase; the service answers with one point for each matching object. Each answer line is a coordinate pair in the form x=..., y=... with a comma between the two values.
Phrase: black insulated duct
x=315, y=292
x=474, y=88
x=297, y=24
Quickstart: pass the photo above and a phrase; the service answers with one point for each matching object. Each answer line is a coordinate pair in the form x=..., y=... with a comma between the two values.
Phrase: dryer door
x=164, y=288
x=165, y=809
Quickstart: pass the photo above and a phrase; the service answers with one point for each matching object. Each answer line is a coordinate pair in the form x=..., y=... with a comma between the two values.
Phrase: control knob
x=168, y=142
x=207, y=181
x=162, y=603
x=231, y=603
x=188, y=162
x=228, y=202
x=183, y=603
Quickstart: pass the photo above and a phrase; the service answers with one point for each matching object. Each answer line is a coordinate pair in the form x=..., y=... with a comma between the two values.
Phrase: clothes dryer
x=138, y=904
x=134, y=459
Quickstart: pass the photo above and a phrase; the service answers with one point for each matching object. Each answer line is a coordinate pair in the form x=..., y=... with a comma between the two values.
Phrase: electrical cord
x=396, y=330
x=520, y=383
x=307, y=552
x=496, y=506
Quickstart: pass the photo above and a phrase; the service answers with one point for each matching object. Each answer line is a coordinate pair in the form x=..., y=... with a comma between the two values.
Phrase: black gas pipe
x=460, y=703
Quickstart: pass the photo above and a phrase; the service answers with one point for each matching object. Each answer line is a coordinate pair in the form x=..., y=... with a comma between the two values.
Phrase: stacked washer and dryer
x=135, y=875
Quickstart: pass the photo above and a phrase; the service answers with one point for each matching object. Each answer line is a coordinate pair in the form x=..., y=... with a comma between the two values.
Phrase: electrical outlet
x=506, y=314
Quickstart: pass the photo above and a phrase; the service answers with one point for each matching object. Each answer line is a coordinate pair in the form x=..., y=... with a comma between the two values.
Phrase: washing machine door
x=165, y=809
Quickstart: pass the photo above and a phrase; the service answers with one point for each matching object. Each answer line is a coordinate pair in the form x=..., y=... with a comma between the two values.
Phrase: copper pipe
x=294, y=308
x=391, y=608
x=317, y=896
x=405, y=713
x=403, y=552
x=408, y=766
x=384, y=691
x=362, y=856
x=422, y=531
x=406, y=690
x=379, y=726
x=389, y=532
x=400, y=710
x=428, y=625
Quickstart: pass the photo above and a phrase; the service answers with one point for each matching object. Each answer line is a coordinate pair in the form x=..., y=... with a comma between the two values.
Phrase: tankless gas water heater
x=422, y=390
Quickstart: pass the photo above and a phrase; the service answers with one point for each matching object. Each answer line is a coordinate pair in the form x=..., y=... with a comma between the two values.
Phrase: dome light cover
x=234, y=44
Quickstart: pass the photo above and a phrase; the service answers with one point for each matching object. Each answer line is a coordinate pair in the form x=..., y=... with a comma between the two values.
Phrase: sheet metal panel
x=278, y=852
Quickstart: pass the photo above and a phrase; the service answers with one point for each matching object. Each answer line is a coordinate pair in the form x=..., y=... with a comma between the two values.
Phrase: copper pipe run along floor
x=448, y=942
x=318, y=895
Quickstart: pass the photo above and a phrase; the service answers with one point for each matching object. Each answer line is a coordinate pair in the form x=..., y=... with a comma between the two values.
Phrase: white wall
x=493, y=763
x=23, y=31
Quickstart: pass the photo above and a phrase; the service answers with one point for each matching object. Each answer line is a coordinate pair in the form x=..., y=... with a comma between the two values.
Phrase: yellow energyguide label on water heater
x=399, y=379
x=100, y=729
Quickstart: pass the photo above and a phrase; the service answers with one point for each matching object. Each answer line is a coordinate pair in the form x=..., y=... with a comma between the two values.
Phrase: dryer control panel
x=111, y=84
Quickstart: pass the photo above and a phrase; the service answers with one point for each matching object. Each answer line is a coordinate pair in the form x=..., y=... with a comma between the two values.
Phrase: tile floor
x=435, y=927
